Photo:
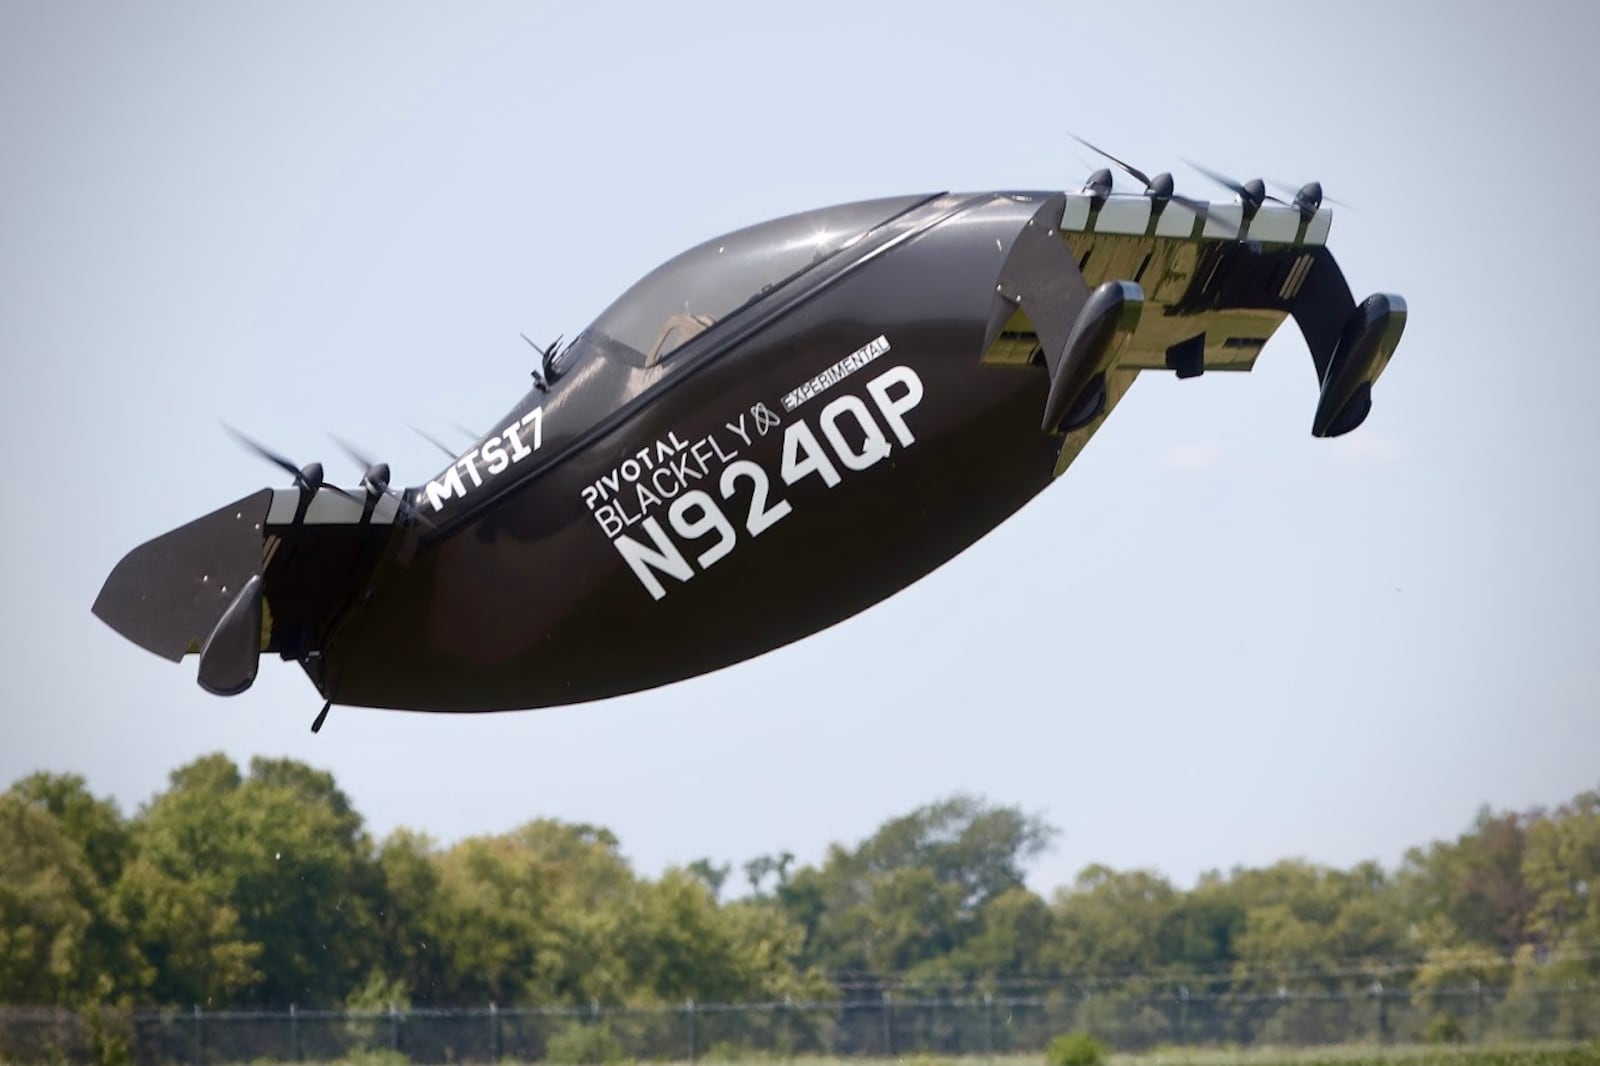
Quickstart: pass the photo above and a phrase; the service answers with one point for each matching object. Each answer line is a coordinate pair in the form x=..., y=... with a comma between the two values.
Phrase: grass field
x=1343, y=1055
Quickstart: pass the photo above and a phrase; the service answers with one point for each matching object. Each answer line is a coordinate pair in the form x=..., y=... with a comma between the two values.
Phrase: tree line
x=262, y=887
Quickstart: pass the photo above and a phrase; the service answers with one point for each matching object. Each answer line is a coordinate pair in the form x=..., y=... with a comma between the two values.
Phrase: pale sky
x=310, y=218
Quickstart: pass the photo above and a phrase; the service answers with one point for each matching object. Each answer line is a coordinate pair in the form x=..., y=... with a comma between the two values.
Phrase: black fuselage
x=657, y=532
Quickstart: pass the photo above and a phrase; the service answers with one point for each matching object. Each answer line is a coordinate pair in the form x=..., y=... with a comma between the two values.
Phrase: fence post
x=394, y=1028
x=198, y=1054
x=294, y=1034
x=688, y=1009
x=888, y=1024
x=787, y=1013
x=1183, y=1015
x=494, y=1033
x=1383, y=1012
x=1477, y=1008
x=988, y=1025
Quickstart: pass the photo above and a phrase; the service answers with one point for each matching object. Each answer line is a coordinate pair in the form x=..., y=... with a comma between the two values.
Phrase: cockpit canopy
x=692, y=292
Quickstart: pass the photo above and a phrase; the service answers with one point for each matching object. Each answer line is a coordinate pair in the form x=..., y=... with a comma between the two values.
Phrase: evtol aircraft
x=764, y=436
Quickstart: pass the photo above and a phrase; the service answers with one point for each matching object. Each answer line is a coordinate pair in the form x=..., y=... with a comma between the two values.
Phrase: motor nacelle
x=1368, y=340
x=1077, y=389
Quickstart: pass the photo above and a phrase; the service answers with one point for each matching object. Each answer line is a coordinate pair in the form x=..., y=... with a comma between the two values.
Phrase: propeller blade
x=1291, y=190
x=1134, y=172
x=532, y=345
x=375, y=478
x=1198, y=207
x=1221, y=179
x=266, y=453
x=435, y=442
x=352, y=451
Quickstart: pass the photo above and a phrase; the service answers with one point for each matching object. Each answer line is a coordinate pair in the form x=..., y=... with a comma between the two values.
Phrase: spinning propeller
x=436, y=442
x=308, y=478
x=1253, y=193
x=1309, y=197
x=375, y=480
x=1159, y=188
x=546, y=371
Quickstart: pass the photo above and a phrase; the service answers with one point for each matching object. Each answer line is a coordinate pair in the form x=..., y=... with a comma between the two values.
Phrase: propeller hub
x=377, y=477
x=1309, y=198
x=1161, y=187
x=1099, y=183
x=311, y=477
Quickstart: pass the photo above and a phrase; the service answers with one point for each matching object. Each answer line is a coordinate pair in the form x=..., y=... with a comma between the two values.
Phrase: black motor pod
x=1110, y=314
x=232, y=653
x=1365, y=346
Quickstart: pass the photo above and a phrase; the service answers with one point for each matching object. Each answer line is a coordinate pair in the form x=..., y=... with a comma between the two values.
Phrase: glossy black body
x=520, y=599
x=763, y=437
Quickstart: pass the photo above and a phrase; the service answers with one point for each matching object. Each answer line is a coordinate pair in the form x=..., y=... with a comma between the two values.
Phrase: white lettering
x=711, y=519
x=452, y=487
x=536, y=416
x=874, y=446
x=494, y=455
x=760, y=516
x=646, y=498
x=606, y=515
x=674, y=483
x=665, y=557
x=893, y=411
x=802, y=455
x=472, y=467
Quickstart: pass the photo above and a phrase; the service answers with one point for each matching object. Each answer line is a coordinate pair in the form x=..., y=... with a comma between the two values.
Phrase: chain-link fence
x=887, y=1026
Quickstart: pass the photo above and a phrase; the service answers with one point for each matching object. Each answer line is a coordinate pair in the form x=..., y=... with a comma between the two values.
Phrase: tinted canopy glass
x=687, y=295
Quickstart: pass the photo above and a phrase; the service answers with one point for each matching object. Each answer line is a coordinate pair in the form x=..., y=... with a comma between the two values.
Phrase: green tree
x=1561, y=868
x=253, y=890
x=95, y=825
x=48, y=902
x=913, y=892
x=94, y=841
x=1476, y=884
x=534, y=916
x=710, y=874
x=1013, y=932
x=680, y=945
x=1111, y=923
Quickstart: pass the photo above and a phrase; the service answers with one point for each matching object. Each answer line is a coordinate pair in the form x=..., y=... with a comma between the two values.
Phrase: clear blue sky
x=305, y=218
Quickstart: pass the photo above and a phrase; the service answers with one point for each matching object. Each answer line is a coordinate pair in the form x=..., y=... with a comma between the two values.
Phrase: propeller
x=1309, y=197
x=546, y=371
x=308, y=478
x=375, y=480
x=1159, y=188
x=1100, y=182
x=436, y=442
x=1252, y=194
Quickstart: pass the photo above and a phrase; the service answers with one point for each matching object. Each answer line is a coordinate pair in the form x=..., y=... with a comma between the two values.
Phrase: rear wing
x=1102, y=288
x=271, y=572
